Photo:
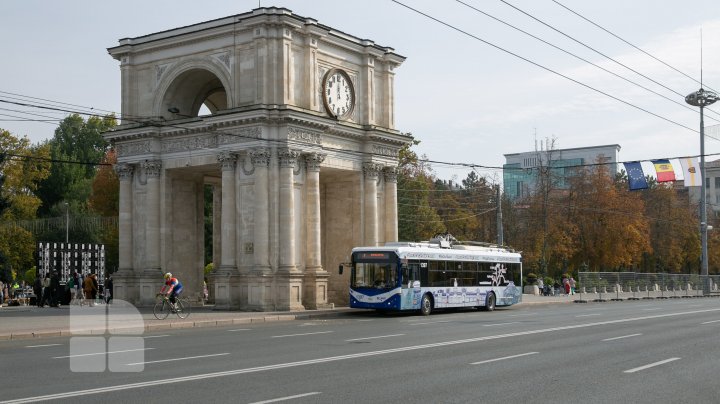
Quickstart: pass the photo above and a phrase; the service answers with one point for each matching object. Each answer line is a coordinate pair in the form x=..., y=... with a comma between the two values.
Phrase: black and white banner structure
x=66, y=258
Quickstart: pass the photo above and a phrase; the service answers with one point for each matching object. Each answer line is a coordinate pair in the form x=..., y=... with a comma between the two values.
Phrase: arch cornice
x=207, y=63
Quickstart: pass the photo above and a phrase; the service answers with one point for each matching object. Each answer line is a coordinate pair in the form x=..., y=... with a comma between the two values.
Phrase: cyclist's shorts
x=177, y=290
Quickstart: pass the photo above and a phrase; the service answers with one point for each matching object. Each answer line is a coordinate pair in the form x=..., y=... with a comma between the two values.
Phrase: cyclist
x=174, y=288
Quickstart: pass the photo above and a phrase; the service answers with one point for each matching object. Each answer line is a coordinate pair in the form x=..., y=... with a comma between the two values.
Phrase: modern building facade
x=520, y=171
x=299, y=146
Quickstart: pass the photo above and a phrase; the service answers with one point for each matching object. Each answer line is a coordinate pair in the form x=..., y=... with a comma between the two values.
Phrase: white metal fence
x=632, y=285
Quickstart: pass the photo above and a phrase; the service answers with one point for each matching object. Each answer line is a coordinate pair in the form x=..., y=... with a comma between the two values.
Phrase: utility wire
x=590, y=47
x=542, y=66
x=632, y=45
x=684, y=105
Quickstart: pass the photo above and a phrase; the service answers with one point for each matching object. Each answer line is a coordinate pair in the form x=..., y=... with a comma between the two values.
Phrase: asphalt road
x=640, y=352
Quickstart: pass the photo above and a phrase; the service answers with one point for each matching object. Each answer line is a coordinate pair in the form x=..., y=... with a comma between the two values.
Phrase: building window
x=707, y=183
x=717, y=182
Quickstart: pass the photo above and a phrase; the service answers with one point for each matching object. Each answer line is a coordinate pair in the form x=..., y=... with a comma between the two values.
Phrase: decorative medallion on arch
x=194, y=88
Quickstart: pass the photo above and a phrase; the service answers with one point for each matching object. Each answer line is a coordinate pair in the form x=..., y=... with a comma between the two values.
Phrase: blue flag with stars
x=636, y=177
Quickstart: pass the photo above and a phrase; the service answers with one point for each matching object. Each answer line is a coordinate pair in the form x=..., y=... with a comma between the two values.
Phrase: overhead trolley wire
x=544, y=67
x=589, y=47
x=684, y=105
x=632, y=45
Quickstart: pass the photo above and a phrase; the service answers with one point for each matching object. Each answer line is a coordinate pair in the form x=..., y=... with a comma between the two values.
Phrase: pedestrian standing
x=37, y=289
x=108, y=289
x=55, y=290
x=572, y=285
x=2, y=293
x=46, y=291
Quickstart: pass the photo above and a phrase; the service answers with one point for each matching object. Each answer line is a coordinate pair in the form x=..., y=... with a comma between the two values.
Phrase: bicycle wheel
x=161, y=310
x=183, y=308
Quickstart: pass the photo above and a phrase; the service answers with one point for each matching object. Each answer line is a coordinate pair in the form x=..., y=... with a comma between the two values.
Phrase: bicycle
x=164, y=307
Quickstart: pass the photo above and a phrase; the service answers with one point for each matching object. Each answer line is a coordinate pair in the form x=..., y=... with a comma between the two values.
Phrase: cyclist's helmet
x=168, y=275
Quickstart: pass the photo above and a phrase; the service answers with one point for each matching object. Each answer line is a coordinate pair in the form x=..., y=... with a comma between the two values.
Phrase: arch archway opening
x=195, y=92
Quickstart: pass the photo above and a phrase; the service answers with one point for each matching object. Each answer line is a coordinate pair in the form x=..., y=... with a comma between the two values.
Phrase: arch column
x=228, y=244
x=371, y=172
x=259, y=280
x=288, y=279
x=260, y=159
x=391, y=219
x=316, y=278
x=124, y=279
x=125, y=256
x=152, y=226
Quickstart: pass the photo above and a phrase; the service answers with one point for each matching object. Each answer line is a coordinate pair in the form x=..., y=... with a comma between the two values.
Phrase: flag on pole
x=691, y=172
x=664, y=170
x=636, y=176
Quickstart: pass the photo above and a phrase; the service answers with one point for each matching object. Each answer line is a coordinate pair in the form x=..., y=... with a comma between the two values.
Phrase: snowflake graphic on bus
x=432, y=275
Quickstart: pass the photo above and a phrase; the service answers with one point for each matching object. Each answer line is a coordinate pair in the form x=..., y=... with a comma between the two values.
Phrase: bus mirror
x=340, y=269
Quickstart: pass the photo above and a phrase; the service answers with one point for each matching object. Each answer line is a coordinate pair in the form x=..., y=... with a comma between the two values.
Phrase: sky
x=459, y=93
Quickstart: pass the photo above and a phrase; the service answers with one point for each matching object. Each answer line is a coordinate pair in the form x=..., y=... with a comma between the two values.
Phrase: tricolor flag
x=636, y=177
x=664, y=170
x=691, y=172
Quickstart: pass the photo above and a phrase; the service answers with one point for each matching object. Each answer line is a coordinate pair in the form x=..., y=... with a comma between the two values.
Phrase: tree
x=612, y=229
x=23, y=167
x=417, y=220
x=76, y=148
x=673, y=230
x=104, y=202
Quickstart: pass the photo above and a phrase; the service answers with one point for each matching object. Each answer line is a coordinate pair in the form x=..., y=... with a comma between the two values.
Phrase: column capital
x=260, y=157
x=391, y=174
x=313, y=161
x=124, y=171
x=227, y=160
x=152, y=168
x=371, y=170
x=288, y=158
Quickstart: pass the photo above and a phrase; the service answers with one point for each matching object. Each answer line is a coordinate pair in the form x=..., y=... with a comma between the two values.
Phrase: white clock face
x=338, y=93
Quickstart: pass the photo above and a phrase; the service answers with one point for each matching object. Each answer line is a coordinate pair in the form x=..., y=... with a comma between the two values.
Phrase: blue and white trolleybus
x=436, y=274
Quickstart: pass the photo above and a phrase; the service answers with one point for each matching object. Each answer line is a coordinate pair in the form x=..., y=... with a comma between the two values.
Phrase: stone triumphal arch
x=289, y=123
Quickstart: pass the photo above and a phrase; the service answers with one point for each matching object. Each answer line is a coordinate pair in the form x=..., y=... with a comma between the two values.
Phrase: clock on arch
x=338, y=93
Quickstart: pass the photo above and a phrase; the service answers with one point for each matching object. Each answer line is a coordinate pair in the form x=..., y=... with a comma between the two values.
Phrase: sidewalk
x=539, y=299
x=23, y=322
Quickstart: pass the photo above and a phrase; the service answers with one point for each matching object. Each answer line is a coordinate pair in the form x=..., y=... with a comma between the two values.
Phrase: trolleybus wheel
x=490, y=302
x=426, y=305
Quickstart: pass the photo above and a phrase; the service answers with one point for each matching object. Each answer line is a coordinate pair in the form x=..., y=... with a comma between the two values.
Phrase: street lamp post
x=702, y=98
x=67, y=223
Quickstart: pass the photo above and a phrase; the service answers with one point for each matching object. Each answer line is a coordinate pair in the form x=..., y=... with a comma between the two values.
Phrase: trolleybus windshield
x=374, y=270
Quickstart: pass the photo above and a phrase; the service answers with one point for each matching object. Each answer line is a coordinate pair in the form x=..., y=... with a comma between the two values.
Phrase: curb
x=158, y=325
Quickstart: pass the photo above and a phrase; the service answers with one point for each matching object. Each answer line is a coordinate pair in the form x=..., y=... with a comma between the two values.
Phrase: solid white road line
x=650, y=365
x=710, y=322
x=156, y=336
x=588, y=315
x=101, y=353
x=379, y=336
x=493, y=325
x=503, y=358
x=365, y=320
x=624, y=336
x=274, y=400
x=177, y=359
x=240, y=329
x=41, y=346
x=202, y=376
x=430, y=322
x=297, y=335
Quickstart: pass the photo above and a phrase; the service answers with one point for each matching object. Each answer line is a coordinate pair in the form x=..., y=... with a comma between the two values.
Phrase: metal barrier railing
x=599, y=286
